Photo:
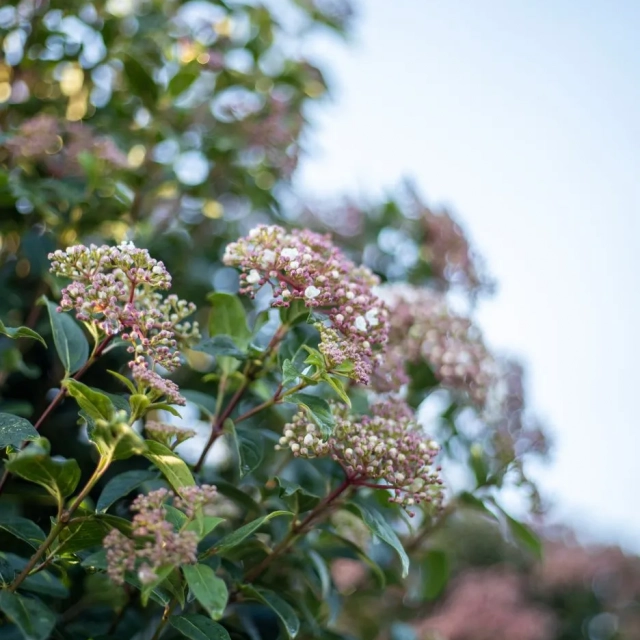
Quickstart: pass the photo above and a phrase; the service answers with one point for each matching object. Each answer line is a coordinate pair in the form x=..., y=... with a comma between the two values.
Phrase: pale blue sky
x=524, y=118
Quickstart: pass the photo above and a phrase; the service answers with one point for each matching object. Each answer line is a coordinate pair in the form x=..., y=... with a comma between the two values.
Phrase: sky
x=523, y=118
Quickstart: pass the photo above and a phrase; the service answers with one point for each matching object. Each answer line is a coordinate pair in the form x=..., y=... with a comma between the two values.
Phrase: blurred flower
x=167, y=434
x=487, y=605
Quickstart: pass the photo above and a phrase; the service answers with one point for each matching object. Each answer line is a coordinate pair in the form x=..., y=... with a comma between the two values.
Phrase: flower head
x=167, y=434
x=154, y=385
x=306, y=266
x=155, y=542
x=386, y=446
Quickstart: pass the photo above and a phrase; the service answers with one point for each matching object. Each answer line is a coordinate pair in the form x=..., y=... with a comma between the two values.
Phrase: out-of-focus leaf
x=20, y=332
x=22, y=528
x=197, y=627
x=435, y=573
x=34, y=619
x=280, y=607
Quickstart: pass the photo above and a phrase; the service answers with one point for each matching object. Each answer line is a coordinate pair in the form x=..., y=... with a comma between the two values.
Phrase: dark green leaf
x=23, y=528
x=209, y=590
x=237, y=536
x=140, y=81
x=295, y=313
x=435, y=573
x=220, y=345
x=34, y=619
x=290, y=374
x=282, y=609
x=21, y=332
x=318, y=410
x=197, y=627
x=69, y=339
x=228, y=318
x=181, y=82
x=204, y=526
x=303, y=499
x=121, y=485
x=14, y=431
x=248, y=446
x=58, y=477
x=42, y=582
x=172, y=467
x=82, y=534
x=381, y=528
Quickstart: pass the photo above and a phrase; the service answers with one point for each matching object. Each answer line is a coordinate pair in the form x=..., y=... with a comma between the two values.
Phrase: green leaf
x=197, y=627
x=435, y=573
x=20, y=332
x=125, y=381
x=95, y=404
x=282, y=609
x=14, y=431
x=248, y=446
x=34, y=619
x=173, y=468
x=204, y=526
x=295, y=313
x=121, y=485
x=181, y=82
x=82, y=534
x=220, y=345
x=337, y=385
x=228, y=318
x=318, y=409
x=69, y=339
x=290, y=374
x=22, y=528
x=209, y=590
x=42, y=582
x=140, y=81
x=290, y=491
x=525, y=536
x=147, y=589
x=205, y=402
x=237, y=536
x=58, y=477
x=381, y=528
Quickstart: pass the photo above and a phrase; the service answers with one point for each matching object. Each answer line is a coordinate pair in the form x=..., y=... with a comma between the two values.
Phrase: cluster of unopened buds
x=155, y=543
x=306, y=266
x=114, y=290
x=384, y=450
x=167, y=434
x=423, y=327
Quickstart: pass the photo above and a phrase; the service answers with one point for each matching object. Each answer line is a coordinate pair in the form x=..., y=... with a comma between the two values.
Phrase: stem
x=249, y=372
x=165, y=618
x=97, y=352
x=64, y=516
x=298, y=529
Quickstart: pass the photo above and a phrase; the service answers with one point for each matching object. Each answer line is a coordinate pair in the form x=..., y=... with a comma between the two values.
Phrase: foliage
x=199, y=462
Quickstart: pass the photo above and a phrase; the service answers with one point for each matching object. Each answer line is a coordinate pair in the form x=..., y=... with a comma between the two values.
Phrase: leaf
x=209, y=590
x=289, y=373
x=140, y=81
x=34, y=619
x=22, y=528
x=94, y=403
x=248, y=448
x=124, y=380
x=228, y=318
x=317, y=408
x=204, y=526
x=237, y=536
x=205, y=402
x=42, y=582
x=69, y=339
x=282, y=609
x=382, y=529
x=174, y=469
x=220, y=345
x=525, y=536
x=82, y=534
x=121, y=485
x=181, y=82
x=301, y=497
x=322, y=571
x=14, y=431
x=337, y=385
x=20, y=332
x=197, y=627
x=435, y=573
x=58, y=477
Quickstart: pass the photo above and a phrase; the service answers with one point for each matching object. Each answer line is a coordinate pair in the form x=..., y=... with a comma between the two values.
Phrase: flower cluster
x=424, y=328
x=306, y=266
x=167, y=434
x=386, y=446
x=115, y=288
x=155, y=543
x=59, y=145
x=485, y=605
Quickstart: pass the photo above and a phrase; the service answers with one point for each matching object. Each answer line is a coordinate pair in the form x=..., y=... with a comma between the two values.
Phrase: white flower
x=289, y=253
x=360, y=323
x=311, y=292
x=308, y=440
x=294, y=264
x=268, y=257
x=253, y=277
x=372, y=317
